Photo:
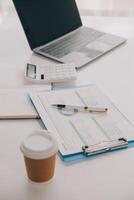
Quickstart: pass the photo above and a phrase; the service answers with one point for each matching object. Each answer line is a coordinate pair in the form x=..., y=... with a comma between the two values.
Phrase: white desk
x=106, y=177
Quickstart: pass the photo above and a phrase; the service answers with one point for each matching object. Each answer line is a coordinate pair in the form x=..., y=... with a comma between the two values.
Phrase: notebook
x=16, y=105
x=76, y=131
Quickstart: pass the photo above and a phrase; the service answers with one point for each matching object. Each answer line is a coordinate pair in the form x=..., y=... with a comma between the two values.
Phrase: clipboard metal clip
x=105, y=146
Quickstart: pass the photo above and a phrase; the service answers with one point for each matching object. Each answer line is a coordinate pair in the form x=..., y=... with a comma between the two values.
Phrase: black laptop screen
x=46, y=20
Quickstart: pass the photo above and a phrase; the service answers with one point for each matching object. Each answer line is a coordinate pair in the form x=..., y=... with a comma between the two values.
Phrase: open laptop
x=54, y=29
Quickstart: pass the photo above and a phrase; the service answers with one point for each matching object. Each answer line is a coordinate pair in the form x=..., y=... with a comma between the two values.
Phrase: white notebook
x=16, y=105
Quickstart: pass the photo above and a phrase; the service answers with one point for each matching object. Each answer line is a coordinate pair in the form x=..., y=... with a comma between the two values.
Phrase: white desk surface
x=106, y=177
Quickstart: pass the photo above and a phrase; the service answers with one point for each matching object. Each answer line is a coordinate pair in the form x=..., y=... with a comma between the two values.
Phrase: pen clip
x=105, y=146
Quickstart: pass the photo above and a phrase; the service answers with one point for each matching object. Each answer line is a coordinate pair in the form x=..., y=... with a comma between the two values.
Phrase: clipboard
x=87, y=151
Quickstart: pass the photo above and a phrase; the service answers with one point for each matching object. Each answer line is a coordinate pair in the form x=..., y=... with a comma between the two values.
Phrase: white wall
x=107, y=7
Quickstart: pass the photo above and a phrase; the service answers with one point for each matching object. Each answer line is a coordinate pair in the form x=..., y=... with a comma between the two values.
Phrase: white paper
x=73, y=131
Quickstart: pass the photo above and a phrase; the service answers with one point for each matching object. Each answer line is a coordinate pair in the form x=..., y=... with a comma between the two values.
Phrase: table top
x=107, y=177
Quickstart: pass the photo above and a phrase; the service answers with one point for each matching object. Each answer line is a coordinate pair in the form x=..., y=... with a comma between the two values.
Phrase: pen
x=80, y=108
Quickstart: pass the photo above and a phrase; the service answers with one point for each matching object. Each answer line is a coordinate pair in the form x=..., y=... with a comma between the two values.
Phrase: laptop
x=54, y=29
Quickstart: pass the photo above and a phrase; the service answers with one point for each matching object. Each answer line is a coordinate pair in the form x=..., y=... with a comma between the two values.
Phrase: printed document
x=75, y=130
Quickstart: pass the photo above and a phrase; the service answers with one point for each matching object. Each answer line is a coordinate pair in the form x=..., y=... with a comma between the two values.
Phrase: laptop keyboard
x=72, y=42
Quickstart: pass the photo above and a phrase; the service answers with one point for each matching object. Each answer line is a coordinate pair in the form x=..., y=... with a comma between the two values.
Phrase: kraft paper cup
x=39, y=150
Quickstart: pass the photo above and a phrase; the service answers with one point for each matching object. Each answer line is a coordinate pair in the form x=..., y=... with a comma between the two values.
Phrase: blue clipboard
x=85, y=155
x=80, y=156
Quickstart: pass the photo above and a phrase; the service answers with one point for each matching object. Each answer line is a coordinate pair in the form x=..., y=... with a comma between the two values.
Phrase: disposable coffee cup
x=39, y=150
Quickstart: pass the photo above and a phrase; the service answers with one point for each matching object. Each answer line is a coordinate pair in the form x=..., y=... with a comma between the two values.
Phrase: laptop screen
x=46, y=20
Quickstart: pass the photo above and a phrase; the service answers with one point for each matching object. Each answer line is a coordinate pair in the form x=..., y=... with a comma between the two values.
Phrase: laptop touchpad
x=78, y=58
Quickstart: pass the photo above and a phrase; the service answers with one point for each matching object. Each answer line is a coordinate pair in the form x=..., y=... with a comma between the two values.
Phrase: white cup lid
x=39, y=145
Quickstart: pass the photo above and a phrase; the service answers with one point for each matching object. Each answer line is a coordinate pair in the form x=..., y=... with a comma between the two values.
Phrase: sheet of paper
x=75, y=130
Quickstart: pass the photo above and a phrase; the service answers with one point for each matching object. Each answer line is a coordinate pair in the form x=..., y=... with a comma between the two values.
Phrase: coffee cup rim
x=39, y=154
